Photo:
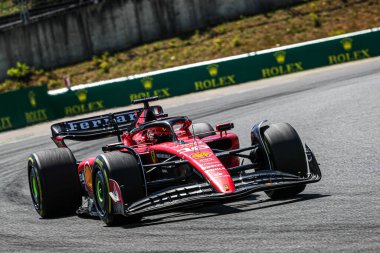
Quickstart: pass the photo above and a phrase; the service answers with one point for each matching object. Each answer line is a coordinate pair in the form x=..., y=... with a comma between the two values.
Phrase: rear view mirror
x=224, y=127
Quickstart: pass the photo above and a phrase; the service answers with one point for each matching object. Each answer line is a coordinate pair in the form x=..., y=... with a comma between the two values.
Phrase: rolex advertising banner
x=312, y=55
x=260, y=65
x=24, y=107
x=225, y=72
x=107, y=96
x=164, y=85
x=30, y=106
x=193, y=79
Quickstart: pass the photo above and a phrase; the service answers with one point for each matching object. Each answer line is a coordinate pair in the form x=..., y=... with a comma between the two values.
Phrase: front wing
x=245, y=185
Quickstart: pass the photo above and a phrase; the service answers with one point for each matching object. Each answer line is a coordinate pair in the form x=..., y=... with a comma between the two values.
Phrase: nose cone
x=203, y=159
x=213, y=170
x=223, y=185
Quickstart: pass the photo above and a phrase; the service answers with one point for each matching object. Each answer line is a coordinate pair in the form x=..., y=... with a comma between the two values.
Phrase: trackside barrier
x=25, y=107
x=191, y=78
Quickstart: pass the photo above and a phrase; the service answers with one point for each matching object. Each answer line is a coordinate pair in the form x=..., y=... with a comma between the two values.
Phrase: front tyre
x=125, y=170
x=286, y=154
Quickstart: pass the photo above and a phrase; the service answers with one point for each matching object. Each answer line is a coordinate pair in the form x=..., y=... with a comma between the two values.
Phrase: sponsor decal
x=207, y=160
x=213, y=166
x=163, y=156
x=201, y=155
x=191, y=147
x=220, y=175
x=5, y=123
x=210, y=161
x=31, y=160
x=282, y=67
x=147, y=83
x=349, y=54
x=186, y=145
x=32, y=98
x=214, y=169
x=153, y=155
x=99, y=122
x=99, y=162
x=88, y=176
x=36, y=116
x=214, y=81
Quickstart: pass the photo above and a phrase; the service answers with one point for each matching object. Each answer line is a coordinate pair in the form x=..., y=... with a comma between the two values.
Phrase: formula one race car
x=160, y=163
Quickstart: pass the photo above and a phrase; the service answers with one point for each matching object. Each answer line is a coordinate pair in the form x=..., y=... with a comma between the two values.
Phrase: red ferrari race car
x=160, y=163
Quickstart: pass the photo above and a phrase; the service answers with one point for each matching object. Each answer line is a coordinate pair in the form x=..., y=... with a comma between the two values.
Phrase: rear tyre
x=54, y=183
x=124, y=169
x=286, y=154
x=203, y=130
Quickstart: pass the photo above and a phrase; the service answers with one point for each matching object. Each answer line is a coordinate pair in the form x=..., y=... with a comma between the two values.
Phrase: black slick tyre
x=203, y=130
x=125, y=170
x=54, y=183
x=287, y=155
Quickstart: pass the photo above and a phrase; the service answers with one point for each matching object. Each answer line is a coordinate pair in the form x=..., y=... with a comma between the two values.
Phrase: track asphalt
x=336, y=111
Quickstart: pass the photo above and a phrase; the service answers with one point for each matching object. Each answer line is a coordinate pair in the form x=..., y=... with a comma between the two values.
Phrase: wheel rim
x=34, y=185
x=100, y=191
x=271, y=163
x=35, y=188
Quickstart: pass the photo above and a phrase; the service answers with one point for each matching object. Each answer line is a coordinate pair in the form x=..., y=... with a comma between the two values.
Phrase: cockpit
x=159, y=131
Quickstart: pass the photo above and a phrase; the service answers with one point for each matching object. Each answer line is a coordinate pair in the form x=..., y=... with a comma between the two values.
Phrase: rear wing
x=99, y=126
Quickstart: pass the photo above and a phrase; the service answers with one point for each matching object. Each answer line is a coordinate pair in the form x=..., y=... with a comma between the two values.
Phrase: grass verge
x=309, y=21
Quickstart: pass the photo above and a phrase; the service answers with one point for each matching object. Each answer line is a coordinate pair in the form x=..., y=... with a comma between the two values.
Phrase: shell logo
x=201, y=155
x=81, y=95
x=280, y=57
x=147, y=82
x=213, y=69
x=347, y=44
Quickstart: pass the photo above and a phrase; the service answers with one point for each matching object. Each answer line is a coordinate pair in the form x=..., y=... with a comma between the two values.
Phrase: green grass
x=8, y=7
x=312, y=20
